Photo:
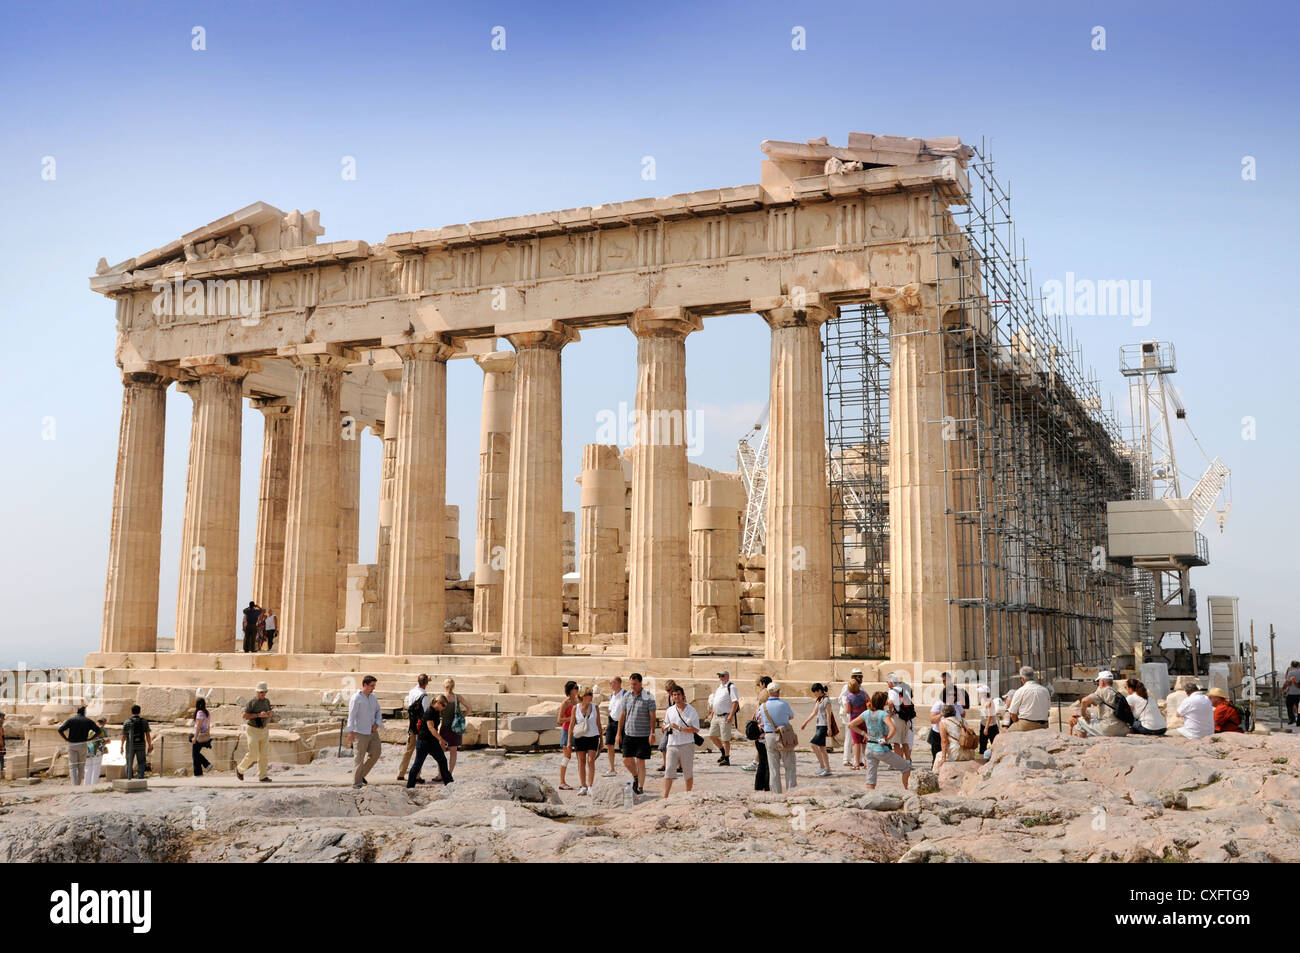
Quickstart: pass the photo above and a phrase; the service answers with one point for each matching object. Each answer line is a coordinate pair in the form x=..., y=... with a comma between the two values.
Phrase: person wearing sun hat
x=1226, y=717
x=257, y=715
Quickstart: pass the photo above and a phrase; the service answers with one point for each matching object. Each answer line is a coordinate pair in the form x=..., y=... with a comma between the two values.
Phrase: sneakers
x=636, y=789
x=659, y=770
x=264, y=779
x=401, y=777
x=609, y=774
x=822, y=773
x=583, y=791
x=724, y=762
x=749, y=767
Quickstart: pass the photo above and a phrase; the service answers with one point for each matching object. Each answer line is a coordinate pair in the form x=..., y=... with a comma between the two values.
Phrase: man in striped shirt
x=636, y=731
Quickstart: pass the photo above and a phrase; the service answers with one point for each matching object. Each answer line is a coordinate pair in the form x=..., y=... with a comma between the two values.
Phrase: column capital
x=498, y=362
x=271, y=406
x=318, y=355
x=801, y=310
x=427, y=346
x=149, y=373
x=551, y=335
x=219, y=366
x=663, y=322
x=907, y=299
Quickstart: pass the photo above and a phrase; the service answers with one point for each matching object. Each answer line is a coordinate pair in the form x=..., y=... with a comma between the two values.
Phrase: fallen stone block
x=131, y=785
x=531, y=722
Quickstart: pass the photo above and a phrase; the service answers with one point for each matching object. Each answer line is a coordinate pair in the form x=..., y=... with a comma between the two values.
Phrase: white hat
x=774, y=687
x=261, y=687
x=981, y=690
x=1106, y=674
x=855, y=671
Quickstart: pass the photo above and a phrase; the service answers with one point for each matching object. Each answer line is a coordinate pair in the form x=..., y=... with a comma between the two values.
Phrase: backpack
x=1243, y=716
x=415, y=716
x=1121, y=709
x=136, y=733
x=904, y=710
x=966, y=737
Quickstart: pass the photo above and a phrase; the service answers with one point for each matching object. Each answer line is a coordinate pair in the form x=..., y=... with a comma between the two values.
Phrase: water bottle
x=628, y=798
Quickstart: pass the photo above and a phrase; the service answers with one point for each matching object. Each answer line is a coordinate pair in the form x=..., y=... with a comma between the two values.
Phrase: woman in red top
x=564, y=721
x=1226, y=716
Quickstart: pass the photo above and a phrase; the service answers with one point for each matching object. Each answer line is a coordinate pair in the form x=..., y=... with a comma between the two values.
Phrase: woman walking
x=452, y=727
x=670, y=686
x=855, y=699
x=821, y=712
x=950, y=730
x=1147, y=719
x=202, y=737
x=586, y=740
x=564, y=721
x=682, y=726
x=879, y=729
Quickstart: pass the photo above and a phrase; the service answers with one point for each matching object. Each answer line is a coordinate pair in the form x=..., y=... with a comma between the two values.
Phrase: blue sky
x=1123, y=163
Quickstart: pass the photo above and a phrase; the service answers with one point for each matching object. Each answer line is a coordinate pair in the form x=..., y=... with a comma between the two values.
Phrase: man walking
x=364, y=722
x=137, y=740
x=724, y=704
x=257, y=716
x=617, y=696
x=269, y=625
x=251, y=615
x=774, y=714
x=636, y=732
x=419, y=694
x=429, y=744
x=75, y=731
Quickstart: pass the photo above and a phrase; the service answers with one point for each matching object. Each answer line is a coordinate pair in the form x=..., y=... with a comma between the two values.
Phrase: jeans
x=428, y=749
x=270, y=639
x=776, y=761
x=135, y=758
x=1291, y=701
x=200, y=762
x=250, y=639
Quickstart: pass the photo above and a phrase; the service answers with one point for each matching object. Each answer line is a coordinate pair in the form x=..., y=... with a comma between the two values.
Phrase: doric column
x=310, y=610
x=131, y=593
x=531, y=588
x=272, y=500
x=493, y=475
x=602, y=569
x=417, y=595
x=658, y=593
x=349, y=506
x=798, y=581
x=208, y=604
x=716, y=503
x=918, y=578
x=387, y=479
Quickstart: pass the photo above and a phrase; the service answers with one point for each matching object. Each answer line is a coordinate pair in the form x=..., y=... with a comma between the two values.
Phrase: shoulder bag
x=787, y=740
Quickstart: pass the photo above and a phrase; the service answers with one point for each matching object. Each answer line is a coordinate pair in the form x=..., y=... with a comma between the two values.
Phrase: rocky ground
x=1043, y=797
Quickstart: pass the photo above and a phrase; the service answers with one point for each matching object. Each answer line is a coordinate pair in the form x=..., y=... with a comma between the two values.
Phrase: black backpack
x=415, y=715
x=136, y=732
x=1121, y=709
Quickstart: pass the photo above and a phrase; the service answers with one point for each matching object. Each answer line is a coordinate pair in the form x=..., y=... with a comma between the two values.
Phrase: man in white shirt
x=844, y=717
x=724, y=704
x=1030, y=705
x=1197, y=712
x=617, y=696
x=418, y=693
x=364, y=721
x=900, y=695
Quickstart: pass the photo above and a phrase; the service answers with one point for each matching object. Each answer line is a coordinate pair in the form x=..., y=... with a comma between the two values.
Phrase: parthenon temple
x=934, y=472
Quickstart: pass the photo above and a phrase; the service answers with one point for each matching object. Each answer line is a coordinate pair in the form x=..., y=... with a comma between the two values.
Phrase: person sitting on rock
x=1106, y=721
x=1147, y=719
x=1227, y=719
x=1197, y=713
x=950, y=733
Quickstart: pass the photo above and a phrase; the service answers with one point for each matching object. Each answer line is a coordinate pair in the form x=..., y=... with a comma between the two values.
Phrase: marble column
x=716, y=505
x=417, y=595
x=134, y=553
x=659, y=572
x=349, y=506
x=531, y=621
x=798, y=580
x=387, y=479
x=308, y=621
x=918, y=552
x=493, y=476
x=272, y=500
x=602, y=575
x=207, y=606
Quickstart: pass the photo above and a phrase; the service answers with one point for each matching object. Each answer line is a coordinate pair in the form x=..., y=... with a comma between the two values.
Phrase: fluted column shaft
x=658, y=594
x=272, y=501
x=602, y=569
x=309, y=616
x=798, y=580
x=493, y=480
x=716, y=504
x=208, y=600
x=531, y=621
x=417, y=596
x=387, y=480
x=918, y=607
x=134, y=551
x=349, y=507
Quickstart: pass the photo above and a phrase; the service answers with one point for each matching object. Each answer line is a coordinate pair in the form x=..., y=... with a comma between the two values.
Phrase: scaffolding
x=1030, y=456
x=857, y=430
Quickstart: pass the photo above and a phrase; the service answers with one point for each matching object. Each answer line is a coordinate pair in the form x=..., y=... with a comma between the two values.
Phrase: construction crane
x=751, y=455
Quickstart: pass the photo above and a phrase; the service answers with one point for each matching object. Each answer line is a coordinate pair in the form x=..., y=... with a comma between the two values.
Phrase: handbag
x=752, y=731
x=787, y=740
x=458, y=723
x=694, y=737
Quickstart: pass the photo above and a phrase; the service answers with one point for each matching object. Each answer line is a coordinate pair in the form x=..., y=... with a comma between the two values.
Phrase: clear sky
x=1125, y=164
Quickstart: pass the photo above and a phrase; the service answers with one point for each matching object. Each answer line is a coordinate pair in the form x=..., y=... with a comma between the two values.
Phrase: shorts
x=720, y=727
x=564, y=737
x=634, y=747
x=590, y=743
x=683, y=756
x=1021, y=725
x=903, y=733
x=819, y=737
x=611, y=733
